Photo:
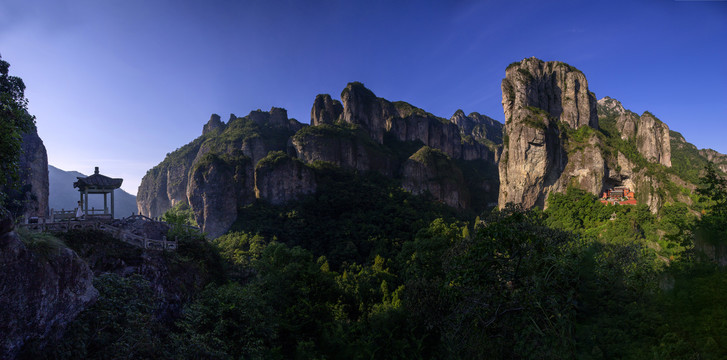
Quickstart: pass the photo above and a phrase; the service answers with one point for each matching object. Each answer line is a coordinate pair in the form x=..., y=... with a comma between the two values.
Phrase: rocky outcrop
x=541, y=101
x=325, y=110
x=719, y=159
x=431, y=171
x=31, y=188
x=651, y=136
x=405, y=123
x=214, y=174
x=345, y=147
x=652, y=139
x=280, y=178
x=477, y=126
x=216, y=188
x=555, y=87
x=215, y=124
x=42, y=292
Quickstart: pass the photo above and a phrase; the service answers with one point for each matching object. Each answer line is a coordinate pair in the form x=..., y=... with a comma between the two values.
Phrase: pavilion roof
x=97, y=181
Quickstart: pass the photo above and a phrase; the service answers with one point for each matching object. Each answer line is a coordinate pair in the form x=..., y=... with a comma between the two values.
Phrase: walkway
x=103, y=225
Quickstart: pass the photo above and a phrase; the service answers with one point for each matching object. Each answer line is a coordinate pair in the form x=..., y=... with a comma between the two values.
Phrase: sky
x=120, y=83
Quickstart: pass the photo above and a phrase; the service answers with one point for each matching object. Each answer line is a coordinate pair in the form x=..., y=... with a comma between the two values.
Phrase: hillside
x=62, y=195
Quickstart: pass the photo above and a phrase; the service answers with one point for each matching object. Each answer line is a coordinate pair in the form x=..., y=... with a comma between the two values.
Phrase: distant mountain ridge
x=62, y=194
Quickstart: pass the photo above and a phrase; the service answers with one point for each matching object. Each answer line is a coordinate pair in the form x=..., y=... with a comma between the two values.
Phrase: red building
x=620, y=195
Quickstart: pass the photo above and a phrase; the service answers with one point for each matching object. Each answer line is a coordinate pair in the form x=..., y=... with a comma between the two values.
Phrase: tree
x=14, y=121
x=714, y=186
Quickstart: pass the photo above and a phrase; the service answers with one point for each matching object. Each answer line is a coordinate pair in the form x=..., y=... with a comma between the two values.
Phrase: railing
x=65, y=215
x=119, y=233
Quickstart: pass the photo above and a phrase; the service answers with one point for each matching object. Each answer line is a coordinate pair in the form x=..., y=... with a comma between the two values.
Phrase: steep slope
x=62, y=195
x=222, y=170
x=215, y=173
x=29, y=195
x=367, y=133
x=650, y=134
x=557, y=135
x=543, y=101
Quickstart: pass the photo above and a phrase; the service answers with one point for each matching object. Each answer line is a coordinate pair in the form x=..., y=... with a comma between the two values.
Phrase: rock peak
x=213, y=124
x=559, y=89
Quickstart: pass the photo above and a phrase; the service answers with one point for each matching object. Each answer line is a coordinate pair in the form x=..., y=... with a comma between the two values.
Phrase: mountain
x=64, y=196
x=557, y=135
x=266, y=156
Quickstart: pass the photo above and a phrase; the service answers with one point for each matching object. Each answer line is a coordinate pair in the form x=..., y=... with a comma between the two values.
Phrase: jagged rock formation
x=325, y=110
x=650, y=134
x=478, y=126
x=266, y=156
x=719, y=159
x=557, y=136
x=374, y=134
x=404, y=122
x=41, y=292
x=214, y=174
x=541, y=101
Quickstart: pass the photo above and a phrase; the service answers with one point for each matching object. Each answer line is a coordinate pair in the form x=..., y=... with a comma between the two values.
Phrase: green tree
x=14, y=121
x=714, y=187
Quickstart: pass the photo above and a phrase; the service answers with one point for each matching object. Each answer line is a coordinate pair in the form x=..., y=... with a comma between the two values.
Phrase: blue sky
x=118, y=84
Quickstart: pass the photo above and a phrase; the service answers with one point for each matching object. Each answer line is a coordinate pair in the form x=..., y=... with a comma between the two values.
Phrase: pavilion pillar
x=105, y=205
x=112, y=203
x=85, y=202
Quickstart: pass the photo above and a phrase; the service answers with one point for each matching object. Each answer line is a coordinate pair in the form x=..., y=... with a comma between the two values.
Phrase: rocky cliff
x=29, y=195
x=215, y=173
x=223, y=169
x=649, y=133
x=432, y=171
x=543, y=101
x=557, y=135
x=43, y=289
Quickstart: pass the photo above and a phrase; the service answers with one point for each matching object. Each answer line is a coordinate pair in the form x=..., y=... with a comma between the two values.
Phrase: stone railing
x=119, y=233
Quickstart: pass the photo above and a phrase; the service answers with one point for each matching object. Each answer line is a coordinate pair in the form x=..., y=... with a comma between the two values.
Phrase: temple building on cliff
x=620, y=195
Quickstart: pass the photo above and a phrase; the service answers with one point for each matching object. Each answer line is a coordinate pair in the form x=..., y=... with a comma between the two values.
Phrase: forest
x=363, y=269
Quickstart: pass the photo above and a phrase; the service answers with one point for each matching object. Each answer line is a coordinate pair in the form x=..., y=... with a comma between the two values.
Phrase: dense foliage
x=365, y=270
x=14, y=122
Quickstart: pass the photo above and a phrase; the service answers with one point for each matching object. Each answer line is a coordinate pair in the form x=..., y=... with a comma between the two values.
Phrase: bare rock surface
x=41, y=293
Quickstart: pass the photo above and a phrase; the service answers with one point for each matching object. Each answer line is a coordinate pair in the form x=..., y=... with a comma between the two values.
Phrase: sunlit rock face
x=539, y=99
x=650, y=134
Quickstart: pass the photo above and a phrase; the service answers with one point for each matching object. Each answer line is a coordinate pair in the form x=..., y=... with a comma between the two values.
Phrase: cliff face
x=373, y=134
x=280, y=178
x=541, y=101
x=31, y=188
x=267, y=156
x=649, y=133
x=557, y=136
x=346, y=147
x=214, y=174
x=41, y=293
x=431, y=171
x=405, y=123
